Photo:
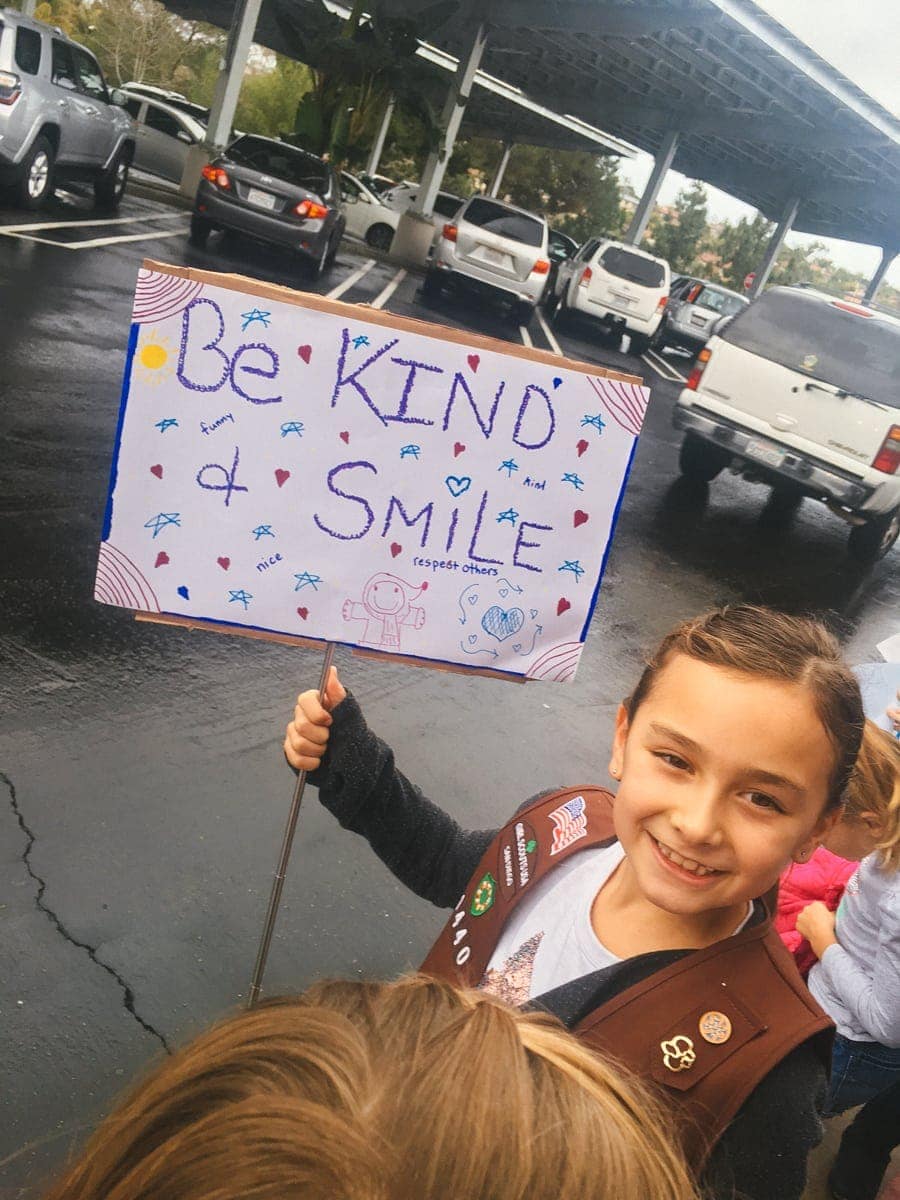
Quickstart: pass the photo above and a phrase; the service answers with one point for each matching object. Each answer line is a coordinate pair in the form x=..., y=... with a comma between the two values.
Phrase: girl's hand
x=306, y=738
x=816, y=923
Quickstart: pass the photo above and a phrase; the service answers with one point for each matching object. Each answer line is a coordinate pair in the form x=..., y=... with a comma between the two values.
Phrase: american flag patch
x=569, y=824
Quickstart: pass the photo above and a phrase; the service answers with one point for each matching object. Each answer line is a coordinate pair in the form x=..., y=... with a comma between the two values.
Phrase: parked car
x=802, y=391
x=379, y=184
x=619, y=288
x=274, y=192
x=163, y=136
x=560, y=247
x=496, y=249
x=400, y=197
x=174, y=99
x=694, y=311
x=367, y=218
x=58, y=120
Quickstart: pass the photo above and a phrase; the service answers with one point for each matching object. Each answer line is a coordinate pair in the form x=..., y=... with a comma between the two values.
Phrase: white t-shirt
x=549, y=939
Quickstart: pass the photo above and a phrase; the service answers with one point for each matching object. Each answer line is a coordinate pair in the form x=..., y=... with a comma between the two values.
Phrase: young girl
x=640, y=924
x=857, y=978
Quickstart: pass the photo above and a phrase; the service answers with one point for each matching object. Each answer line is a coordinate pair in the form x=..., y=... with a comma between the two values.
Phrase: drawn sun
x=154, y=358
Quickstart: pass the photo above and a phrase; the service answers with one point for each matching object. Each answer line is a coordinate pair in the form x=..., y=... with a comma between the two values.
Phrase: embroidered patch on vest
x=569, y=824
x=484, y=897
x=678, y=1053
x=517, y=859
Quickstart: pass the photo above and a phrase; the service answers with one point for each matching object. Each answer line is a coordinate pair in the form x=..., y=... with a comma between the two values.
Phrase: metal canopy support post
x=888, y=255
x=28, y=7
x=642, y=213
x=380, y=137
x=776, y=241
x=501, y=169
x=227, y=91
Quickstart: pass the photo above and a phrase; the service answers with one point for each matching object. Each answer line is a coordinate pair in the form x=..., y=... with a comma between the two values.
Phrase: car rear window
x=283, y=162
x=505, y=222
x=625, y=265
x=856, y=354
x=28, y=50
x=719, y=302
x=446, y=206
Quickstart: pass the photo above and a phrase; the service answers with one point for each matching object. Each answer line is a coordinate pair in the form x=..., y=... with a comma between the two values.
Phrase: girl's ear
x=822, y=829
x=617, y=758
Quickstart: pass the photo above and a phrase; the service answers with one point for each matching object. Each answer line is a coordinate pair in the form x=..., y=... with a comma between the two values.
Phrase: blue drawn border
x=123, y=402
x=609, y=542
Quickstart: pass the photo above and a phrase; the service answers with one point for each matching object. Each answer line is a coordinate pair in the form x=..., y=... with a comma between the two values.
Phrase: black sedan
x=275, y=192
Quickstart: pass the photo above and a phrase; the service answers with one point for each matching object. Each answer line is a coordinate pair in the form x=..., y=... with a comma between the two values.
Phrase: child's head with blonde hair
x=870, y=822
x=363, y=1091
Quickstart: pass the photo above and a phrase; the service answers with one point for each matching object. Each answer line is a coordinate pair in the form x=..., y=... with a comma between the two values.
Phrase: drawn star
x=292, y=427
x=410, y=451
x=574, y=566
x=166, y=423
x=596, y=420
x=360, y=340
x=256, y=314
x=304, y=579
x=509, y=466
x=576, y=481
x=241, y=596
x=262, y=531
x=510, y=515
x=161, y=520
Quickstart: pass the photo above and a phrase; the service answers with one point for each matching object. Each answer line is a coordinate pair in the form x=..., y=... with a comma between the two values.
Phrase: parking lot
x=142, y=791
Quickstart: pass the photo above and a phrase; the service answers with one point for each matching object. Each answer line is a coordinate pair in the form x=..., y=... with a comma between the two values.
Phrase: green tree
x=677, y=233
x=268, y=100
x=738, y=249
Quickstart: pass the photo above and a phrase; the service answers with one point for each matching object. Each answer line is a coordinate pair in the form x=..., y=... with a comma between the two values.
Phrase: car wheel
x=200, y=231
x=700, y=461
x=639, y=343
x=781, y=506
x=36, y=184
x=379, y=237
x=551, y=303
x=658, y=340
x=558, y=312
x=431, y=285
x=109, y=188
x=872, y=541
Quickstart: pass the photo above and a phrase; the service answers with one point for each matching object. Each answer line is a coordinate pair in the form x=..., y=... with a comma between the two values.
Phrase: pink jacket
x=823, y=878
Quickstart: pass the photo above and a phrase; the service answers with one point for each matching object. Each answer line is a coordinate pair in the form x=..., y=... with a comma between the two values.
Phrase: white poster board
x=296, y=466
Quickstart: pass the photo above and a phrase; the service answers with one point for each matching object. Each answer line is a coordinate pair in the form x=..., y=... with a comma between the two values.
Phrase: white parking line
x=661, y=367
x=526, y=336
x=554, y=344
x=38, y=225
x=91, y=245
x=336, y=293
x=386, y=292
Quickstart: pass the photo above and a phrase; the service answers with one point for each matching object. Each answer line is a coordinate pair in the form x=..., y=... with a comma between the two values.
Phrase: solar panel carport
x=717, y=89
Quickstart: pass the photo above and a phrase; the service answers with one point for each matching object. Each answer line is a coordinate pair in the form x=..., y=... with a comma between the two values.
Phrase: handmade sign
x=298, y=466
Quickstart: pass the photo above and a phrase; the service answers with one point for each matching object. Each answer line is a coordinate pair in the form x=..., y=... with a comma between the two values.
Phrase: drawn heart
x=473, y=361
x=224, y=562
x=473, y=599
x=305, y=352
x=182, y=591
x=581, y=447
x=303, y=612
x=281, y=476
x=457, y=484
x=458, y=449
x=534, y=613
x=556, y=382
x=504, y=592
x=345, y=437
x=395, y=549
x=161, y=559
x=562, y=606
x=473, y=638
x=579, y=517
x=157, y=470
x=502, y=623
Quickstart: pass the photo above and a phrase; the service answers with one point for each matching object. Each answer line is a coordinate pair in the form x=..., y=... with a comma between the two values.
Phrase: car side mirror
x=118, y=97
x=183, y=136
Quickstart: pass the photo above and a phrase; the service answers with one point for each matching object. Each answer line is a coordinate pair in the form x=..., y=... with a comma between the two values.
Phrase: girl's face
x=724, y=779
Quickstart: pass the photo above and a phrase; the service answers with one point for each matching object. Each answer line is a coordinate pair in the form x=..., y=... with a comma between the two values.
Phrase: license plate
x=765, y=452
x=701, y=321
x=622, y=300
x=495, y=257
x=263, y=199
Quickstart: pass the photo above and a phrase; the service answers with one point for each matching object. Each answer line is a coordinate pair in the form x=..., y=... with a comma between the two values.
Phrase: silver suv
x=58, y=121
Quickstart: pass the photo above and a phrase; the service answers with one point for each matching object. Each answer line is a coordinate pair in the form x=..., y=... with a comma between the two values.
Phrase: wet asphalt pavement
x=142, y=789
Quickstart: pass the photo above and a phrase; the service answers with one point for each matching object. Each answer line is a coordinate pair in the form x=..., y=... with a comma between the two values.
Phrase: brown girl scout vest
x=706, y=1029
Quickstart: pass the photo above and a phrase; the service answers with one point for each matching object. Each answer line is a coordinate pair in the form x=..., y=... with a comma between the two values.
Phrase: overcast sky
x=861, y=39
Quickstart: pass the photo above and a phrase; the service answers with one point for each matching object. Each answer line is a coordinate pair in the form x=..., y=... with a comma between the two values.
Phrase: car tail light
x=450, y=232
x=541, y=267
x=309, y=208
x=888, y=457
x=217, y=176
x=694, y=378
x=694, y=293
x=10, y=87
x=851, y=308
x=663, y=301
x=585, y=277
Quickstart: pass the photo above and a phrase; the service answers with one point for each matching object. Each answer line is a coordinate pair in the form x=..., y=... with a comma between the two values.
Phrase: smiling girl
x=640, y=919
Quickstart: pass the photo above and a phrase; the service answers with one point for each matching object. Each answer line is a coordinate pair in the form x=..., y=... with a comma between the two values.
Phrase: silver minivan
x=801, y=391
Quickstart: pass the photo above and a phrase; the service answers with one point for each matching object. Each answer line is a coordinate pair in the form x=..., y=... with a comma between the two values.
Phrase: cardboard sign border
x=275, y=291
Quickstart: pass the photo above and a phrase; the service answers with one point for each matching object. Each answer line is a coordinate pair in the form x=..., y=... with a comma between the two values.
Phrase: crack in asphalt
x=54, y=919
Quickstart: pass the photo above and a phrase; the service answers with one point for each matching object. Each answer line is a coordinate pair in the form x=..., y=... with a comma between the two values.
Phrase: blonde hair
x=383, y=1092
x=875, y=788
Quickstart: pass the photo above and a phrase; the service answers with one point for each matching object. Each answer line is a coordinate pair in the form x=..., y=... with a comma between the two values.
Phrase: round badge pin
x=715, y=1028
